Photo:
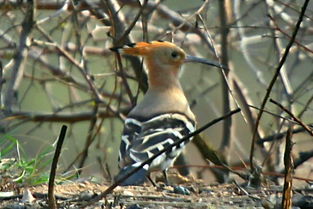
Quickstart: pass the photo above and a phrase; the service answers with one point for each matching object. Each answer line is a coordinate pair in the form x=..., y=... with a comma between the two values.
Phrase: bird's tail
x=137, y=178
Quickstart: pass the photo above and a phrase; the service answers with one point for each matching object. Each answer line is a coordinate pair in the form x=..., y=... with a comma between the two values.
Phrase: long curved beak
x=190, y=58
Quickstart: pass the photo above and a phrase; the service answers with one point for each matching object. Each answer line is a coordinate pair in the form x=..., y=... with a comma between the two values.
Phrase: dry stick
x=148, y=161
x=269, y=89
x=288, y=162
x=306, y=127
x=51, y=197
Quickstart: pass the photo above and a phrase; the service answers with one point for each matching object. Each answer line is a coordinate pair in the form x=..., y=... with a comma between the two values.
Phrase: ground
x=197, y=195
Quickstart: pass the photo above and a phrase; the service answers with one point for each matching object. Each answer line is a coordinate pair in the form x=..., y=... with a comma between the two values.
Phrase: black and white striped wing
x=132, y=129
x=143, y=139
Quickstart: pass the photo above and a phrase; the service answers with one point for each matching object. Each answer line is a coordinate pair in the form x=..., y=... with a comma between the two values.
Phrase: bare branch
x=269, y=89
x=17, y=70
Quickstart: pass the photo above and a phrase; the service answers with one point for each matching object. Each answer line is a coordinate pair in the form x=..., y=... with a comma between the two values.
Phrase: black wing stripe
x=159, y=137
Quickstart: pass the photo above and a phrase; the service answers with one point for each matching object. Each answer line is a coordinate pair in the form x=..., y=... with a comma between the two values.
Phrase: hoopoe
x=162, y=117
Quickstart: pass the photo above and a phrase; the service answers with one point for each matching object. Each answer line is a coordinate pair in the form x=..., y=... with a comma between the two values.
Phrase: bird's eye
x=174, y=54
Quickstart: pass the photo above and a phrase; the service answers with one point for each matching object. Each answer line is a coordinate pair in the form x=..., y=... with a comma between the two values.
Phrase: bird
x=162, y=117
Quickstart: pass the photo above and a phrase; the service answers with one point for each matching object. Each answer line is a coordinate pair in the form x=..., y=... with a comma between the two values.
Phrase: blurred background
x=57, y=69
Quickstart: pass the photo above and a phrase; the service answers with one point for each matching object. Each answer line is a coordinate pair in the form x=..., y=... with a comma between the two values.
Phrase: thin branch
x=89, y=139
x=305, y=127
x=118, y=28
x=303, y=157
x=279, y=136
x=305, y=108
x=176, y=19
x=64, y=117
x=63, y=9
x=307, y=49
x=131, y=26
x=70, y=58
x=270, y=87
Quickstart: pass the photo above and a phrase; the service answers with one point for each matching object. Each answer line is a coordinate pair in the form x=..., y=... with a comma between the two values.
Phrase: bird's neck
x=155, y=102
x=163, y=78
x=164, y=95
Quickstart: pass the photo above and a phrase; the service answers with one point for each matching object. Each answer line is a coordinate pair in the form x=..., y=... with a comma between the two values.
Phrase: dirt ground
x=191, y=194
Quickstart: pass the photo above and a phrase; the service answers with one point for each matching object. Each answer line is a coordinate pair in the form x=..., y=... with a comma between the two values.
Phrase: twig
x=296, y=41
x=43, y=5
x=270, y=87
x=278, y=46
x=223, y=65
x=176, y=19
x=305, y=108
x=63, y=9
x=148, y=161
x=303, y=157
x=89, y=139
x=51, y=197
x=61, y=117
x=273, y=114
x=121, y=39
x=244, y=48
x=306, y=127
x=72, y=60
x=279, y=136
x=215, y=157
x=124, y=80
x=117, y=20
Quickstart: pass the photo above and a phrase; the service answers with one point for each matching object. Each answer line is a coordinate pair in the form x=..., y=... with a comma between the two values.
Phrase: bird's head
x=162, y=54
x=156, y=53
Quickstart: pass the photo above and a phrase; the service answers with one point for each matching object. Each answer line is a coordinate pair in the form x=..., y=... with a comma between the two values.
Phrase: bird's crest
x=142, y=48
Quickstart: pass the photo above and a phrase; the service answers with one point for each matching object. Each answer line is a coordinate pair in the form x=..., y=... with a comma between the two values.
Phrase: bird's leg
x=150, y=179
x=165, y=177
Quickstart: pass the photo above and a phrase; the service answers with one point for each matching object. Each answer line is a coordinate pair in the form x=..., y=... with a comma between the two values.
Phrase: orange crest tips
x=141, y=48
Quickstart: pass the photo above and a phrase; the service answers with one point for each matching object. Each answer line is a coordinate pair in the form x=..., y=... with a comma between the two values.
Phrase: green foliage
x=24, y=170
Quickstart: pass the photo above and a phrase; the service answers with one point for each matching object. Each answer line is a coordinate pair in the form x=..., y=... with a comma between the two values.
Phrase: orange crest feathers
x=142, y=48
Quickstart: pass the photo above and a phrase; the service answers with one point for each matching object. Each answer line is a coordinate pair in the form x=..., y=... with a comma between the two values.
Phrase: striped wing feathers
x=143, y=139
